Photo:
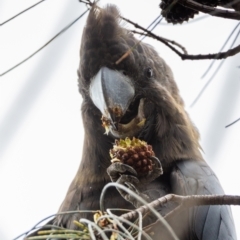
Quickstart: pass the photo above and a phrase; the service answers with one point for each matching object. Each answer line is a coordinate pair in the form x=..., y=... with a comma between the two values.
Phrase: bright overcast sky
x=41, y=132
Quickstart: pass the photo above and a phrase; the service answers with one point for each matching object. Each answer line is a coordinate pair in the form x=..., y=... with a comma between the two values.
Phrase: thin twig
x=210, y=10
x=128, y=218
x=184, y=201
x=222, y=55
x=125, y=55
x=47, y=43
x=164, y=39
x=25, y=10
x=213, y=75
x=156, y=213
x=88, y=2
x=209, y=68
x=50, y=225
x=232, y=123
x=116, y=222
x=131, y=224
x=98, y=229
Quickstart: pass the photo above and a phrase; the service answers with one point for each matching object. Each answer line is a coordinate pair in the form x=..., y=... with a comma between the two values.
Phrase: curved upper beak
x=111, y=92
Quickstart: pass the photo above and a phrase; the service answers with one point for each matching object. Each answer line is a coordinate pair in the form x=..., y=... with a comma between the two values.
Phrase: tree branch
x=210, y=10
x=184, y=202
x=219, y=55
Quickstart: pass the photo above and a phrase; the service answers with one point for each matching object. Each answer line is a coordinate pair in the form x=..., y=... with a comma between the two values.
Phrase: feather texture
x=168, y=128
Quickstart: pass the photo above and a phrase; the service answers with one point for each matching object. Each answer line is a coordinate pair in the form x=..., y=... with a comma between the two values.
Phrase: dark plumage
x=145, y=79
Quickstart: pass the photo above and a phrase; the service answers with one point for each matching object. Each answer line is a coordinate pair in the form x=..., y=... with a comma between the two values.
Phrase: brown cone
x=135, y=153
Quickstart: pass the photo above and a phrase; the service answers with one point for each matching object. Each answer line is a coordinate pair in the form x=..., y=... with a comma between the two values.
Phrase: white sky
x=40, y=122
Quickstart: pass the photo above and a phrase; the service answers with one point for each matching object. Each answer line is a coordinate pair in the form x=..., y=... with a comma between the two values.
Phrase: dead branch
x=112, y=220
x=183, y=202
x=210, y=10
x=220, y=55
x=164, y=39
x=230, y=124
x=20, y=13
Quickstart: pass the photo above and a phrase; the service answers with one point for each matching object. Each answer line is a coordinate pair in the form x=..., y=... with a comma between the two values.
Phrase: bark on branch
x=184, y=202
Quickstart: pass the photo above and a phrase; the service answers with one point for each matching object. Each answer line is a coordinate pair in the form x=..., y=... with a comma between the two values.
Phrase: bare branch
x=164, y=39
x=25, y=10
x=213, y=75
x=184, y=202
x=233, y=123
x=232, y=32
x=37, y=51
x=125, y=55
x=210, y=10
x=221, y=55
x=83, y=232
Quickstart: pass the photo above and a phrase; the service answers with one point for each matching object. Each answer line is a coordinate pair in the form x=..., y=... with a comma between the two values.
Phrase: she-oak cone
x=133, y=152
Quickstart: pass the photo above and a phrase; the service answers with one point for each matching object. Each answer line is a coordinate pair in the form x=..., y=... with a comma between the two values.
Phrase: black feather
x=168, y=128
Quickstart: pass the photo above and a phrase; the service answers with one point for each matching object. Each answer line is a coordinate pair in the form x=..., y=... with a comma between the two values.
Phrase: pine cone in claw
x=135, y=153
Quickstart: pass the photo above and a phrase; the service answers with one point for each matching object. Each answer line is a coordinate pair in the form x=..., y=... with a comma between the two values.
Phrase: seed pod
x=177, y=13
x=135, y=153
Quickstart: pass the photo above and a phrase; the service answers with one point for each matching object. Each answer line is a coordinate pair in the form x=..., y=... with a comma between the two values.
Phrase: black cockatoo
x=138, y=97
